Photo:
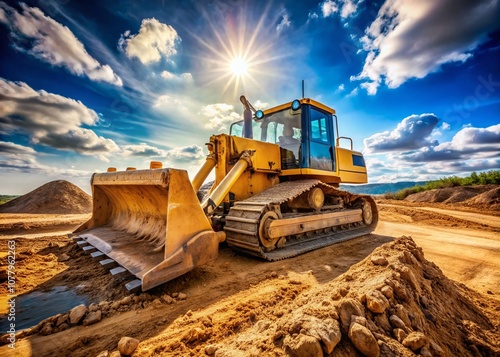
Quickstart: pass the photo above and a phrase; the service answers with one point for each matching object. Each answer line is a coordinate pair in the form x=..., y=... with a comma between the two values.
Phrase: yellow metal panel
x=348, y=172
x=302, y=101
x=306, y=173
x=266, y=156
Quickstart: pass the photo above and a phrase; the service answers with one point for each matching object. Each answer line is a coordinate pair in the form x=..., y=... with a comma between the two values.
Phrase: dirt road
x=466, y=250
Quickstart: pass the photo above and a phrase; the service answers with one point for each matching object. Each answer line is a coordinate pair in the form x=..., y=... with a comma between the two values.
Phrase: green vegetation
x=482, y=178
x=6, y=198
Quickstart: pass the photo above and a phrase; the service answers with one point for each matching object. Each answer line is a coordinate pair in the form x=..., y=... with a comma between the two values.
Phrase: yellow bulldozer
x=275, y=196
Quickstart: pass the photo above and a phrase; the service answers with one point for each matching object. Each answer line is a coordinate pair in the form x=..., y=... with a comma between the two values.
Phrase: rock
x=62, y=319
x=424, y=352
x=115, y=354
x=396, y=322
x=349, y=307
x=343, y=291
x=92, y=318
x=76, y=314
x=364, y=340
x=63, y=257
x=387, y=291
x=383, y=322
x=127, y=345
x=93, y=307
x=126, y=300
x=408, y=275
x=399, y=334
x=157, y=303
x=358, y=319
x=376, y=301
x=174, y=295
x=415, y=341
x=168, y=299
x=348, y=277
x=182, y=296
x=328, y=331
x=63, y=327
x=401, y=312
x=302, y=346
x=379, y=260
x=210, y=350
x=104, y=306
x=103, y=354
x=115, y=305
x=46, y=329
x=400, y=291
x=424, y=301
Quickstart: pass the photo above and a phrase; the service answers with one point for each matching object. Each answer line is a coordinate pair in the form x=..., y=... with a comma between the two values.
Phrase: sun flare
x=238, y=66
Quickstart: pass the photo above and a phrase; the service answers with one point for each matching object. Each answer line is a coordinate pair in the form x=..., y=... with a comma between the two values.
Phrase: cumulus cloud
x=154, y=41
x=285, y=22
x=468, y=143
x=8, y=147
x=143, y=149
x=412, y=133
x=188, y=154
x=171, y=76
x=412, y=38
x=219, y=115
x=49, y=41
x=328, y=8
x=51, y=120
x=346, y=8
x=185, y=154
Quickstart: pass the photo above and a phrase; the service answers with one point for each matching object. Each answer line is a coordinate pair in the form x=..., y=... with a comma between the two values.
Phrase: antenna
x=303, y=89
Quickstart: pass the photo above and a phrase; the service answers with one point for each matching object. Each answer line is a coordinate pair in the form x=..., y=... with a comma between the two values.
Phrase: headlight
x=296, y=104
x=259, y=114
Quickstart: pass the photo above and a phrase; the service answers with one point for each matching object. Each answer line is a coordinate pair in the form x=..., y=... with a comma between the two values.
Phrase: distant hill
x=380, y=188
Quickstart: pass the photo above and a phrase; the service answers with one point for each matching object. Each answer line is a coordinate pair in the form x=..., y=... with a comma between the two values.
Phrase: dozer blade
x=150, y=223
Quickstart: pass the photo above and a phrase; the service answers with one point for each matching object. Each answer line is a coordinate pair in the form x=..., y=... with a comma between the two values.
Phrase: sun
x=238, y=66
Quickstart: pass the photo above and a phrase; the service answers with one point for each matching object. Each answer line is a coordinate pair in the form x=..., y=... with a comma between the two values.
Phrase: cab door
x=321, y=149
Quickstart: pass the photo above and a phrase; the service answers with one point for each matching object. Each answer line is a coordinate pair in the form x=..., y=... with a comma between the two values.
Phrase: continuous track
x=244, y=218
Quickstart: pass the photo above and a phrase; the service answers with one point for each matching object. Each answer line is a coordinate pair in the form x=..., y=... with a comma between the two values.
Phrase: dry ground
x=231, y=294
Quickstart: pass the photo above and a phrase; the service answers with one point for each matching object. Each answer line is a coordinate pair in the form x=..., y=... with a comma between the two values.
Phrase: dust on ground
x=240, y=305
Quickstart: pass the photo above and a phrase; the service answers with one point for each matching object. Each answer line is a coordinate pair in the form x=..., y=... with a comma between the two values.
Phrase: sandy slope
x=234, y=288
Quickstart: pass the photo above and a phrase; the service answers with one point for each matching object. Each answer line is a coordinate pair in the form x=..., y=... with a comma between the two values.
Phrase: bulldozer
x=275, y=195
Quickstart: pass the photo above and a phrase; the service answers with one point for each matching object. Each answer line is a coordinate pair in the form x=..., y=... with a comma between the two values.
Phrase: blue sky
x=86, y=84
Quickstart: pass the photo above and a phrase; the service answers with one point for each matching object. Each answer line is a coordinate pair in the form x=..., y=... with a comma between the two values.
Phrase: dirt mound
x=490, y=198
x=457, y=194
x=393, y=303
x=54, y=197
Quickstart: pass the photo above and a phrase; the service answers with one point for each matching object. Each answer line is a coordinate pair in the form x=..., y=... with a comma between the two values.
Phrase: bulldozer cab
x=304, y=130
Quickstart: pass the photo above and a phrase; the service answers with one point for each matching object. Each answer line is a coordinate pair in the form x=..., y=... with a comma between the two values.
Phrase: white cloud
x=412, y=38
x=171, y=76
x=341, y=87
x=349, y=8
x=192, y=154
x=259, y=105
x=328, y=8
x=312, y=15
x=11, y=148
x=285, y=22
x=153, y=41
x=48, y=40
x=219, y=115
x=143, y=149
x=412, y=133
x=50, y=119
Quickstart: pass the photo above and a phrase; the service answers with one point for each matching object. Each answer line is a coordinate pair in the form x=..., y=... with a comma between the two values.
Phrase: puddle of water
x=36, y=306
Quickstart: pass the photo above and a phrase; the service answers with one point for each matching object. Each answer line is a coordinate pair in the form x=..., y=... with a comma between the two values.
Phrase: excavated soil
x=54, y=197
x=480, y=196
x=435, y=294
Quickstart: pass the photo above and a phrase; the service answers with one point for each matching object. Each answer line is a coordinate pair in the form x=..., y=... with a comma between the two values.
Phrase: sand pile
x=459, y=194
x=393, y=303
x=489, y=198
x=54, y=197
